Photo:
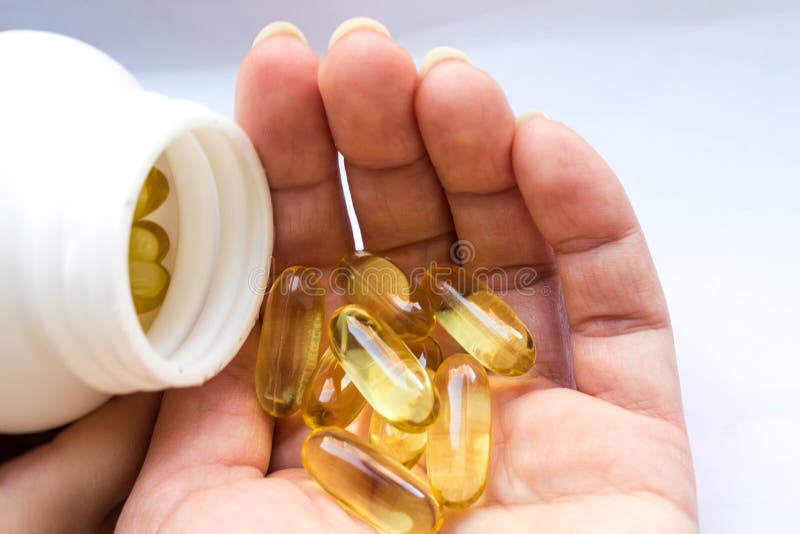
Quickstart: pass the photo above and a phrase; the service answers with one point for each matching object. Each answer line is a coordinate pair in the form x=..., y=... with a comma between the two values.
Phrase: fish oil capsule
x=149, y=242
x=149, y=283
x=154, y=192
x=479, y=320
x=374, y=487
x=383, y=369
x=290, y=336
x=331, y=398
x=381, y=287
x=427, y=351
x=457, y=454
x=405, y=447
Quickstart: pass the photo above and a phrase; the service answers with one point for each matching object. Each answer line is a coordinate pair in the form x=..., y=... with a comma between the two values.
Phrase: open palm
x=592, y=441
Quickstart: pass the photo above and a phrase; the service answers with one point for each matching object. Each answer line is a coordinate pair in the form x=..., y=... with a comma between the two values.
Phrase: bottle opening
x=199, y=244
x=104, y=135
x=174, y=243
x=164, y=296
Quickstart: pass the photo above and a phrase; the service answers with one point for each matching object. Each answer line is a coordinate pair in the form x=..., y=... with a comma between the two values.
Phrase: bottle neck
x=222, y=240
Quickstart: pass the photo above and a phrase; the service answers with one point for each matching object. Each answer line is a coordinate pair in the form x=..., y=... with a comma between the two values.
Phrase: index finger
x=279, y=105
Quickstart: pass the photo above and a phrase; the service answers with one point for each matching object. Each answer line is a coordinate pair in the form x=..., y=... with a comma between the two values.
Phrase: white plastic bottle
x=78, y=136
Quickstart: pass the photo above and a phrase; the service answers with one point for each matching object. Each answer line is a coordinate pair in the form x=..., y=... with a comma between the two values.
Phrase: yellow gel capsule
x=374, y=487
x=405, y=447
x=288, y=348
x=154, y=192
x=428, y=352
x=381, y=287
x=479, y=320
x=149, y=283
x=457, y=455
x=149, y=242
x=383, y=368
x=331, y=398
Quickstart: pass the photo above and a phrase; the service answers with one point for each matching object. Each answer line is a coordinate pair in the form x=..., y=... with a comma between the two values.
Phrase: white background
x=694, y=104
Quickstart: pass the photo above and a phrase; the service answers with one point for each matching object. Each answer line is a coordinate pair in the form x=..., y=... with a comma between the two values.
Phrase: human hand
x=593, y=440
x=76, y=479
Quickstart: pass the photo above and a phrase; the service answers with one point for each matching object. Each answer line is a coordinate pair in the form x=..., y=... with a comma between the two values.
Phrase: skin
x=592, y=441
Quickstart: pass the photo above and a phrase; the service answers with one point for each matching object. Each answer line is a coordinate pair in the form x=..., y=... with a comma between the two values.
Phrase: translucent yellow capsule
x=149, y=242
x=374, y=487
x=331, y=398
x=382, y=288
x=479, y=320
x=405, y=447
x=427, y=351
x=288, y=348
x=457, y=455
x=383, y=368
x=154, y=192
x=149, y=284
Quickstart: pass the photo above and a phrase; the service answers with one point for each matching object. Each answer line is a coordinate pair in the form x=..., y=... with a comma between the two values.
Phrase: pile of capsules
x=148, y=246
x=381, y=353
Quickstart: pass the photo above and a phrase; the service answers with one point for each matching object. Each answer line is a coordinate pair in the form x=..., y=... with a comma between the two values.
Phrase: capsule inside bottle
x=405, y=447
x=331, y=398
x=383, y=368
x=479, y=320
x=153, y=194
x=149, y=283
x=381, y=287
x=374, y=487
x=149, y=242
x=147, y=247
x=458, y=449
x=290, y=338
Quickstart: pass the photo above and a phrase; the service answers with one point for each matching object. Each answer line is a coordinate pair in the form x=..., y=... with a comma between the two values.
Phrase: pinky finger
x=621, y=338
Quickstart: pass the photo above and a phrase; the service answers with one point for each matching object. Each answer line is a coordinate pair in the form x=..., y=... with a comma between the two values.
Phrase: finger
x=73, y=482
x=13, y=445
x=279, y=106
x=620, y=334
x=367, y=82
x=468, y=128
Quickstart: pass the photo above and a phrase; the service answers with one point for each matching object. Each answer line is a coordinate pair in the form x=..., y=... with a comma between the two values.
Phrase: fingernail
x=357, y=24
x=280, y=27
x=440, y=55
x=531, y=115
